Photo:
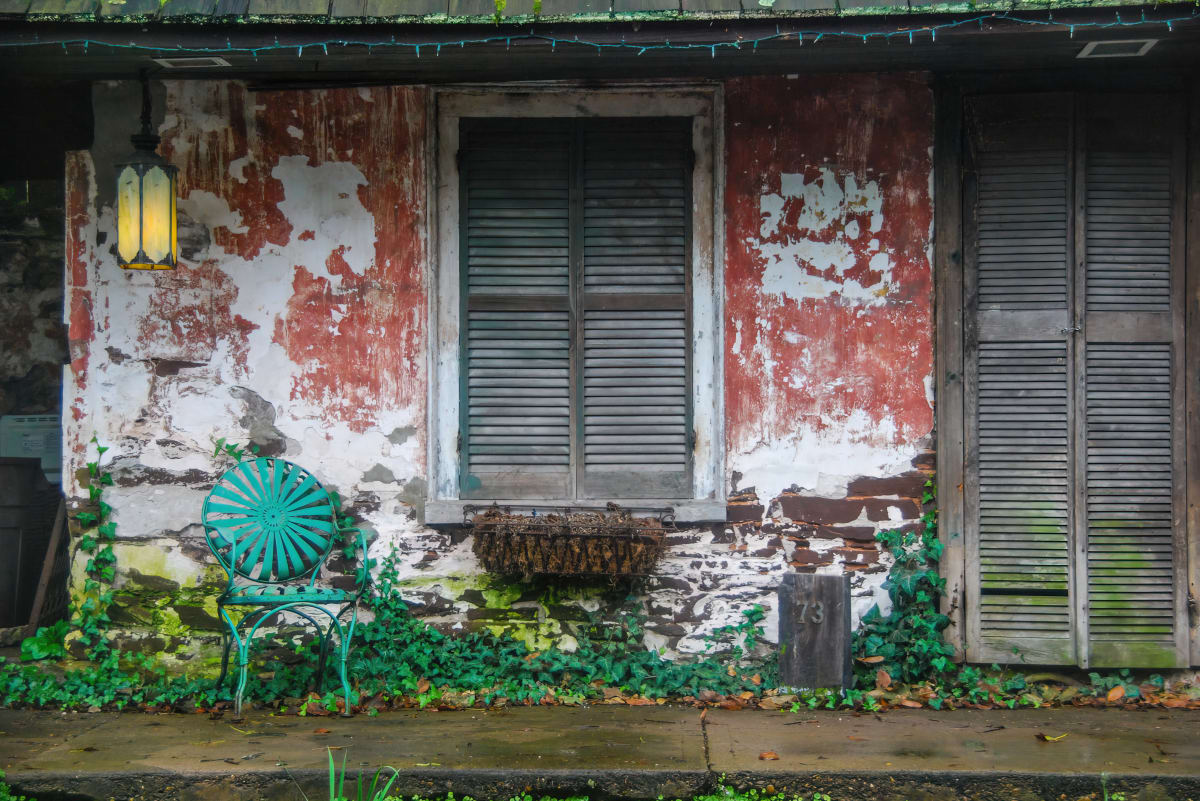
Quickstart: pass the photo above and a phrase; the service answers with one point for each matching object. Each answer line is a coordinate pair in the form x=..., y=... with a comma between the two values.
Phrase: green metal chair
x=272, y=525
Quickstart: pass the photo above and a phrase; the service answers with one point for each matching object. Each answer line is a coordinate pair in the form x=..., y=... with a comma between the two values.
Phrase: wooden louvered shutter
x=515, y=279
x=636, y=248
x=1018, y=203
x=576, y=251
x=1130, y=350
x=1074, y=338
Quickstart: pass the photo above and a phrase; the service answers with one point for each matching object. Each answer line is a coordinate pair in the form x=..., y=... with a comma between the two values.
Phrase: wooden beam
x=948, y=350
x=1192, y=371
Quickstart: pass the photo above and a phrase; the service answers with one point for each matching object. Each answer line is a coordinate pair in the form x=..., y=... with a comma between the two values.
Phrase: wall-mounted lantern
x=146, y=234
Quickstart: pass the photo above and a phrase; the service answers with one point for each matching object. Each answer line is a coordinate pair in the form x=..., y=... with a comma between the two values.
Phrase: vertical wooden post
x=1192, y=371
x=948, y=351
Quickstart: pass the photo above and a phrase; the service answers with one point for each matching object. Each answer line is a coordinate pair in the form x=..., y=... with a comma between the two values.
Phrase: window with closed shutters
x=1073, y=341
x=575, y=276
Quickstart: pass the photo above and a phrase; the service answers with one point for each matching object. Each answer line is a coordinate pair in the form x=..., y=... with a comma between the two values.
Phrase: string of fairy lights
x=801, y=38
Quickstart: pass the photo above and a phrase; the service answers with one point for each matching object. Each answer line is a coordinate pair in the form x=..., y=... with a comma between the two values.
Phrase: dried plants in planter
x=569, y=541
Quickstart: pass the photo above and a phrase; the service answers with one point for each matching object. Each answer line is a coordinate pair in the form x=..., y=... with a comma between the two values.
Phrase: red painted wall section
x=827, y=276
x=321, y=194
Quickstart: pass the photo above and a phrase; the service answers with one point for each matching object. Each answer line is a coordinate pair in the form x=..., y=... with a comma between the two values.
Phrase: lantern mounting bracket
x=145, y=139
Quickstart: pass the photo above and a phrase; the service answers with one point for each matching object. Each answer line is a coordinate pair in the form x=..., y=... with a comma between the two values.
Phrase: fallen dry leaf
x=1116, y=693
x=911, y=704
x=1046, y=739
x=422, y=685
x=321, y=731
x=870, y=660
x=756, y=679
x=768, y=755
x=882, y=679
x=703, y=714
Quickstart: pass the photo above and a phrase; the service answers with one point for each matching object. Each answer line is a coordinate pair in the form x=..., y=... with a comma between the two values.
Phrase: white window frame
x=701, y=102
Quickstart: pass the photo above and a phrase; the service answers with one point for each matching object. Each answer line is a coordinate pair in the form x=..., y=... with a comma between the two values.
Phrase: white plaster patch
x=237, y=169
x=295, y=132
x=823, y=462
x=208, y=209
x=154, y=510
x=810, y=259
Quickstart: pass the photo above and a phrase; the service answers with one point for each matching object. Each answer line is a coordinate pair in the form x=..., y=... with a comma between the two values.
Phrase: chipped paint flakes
x=811, y=237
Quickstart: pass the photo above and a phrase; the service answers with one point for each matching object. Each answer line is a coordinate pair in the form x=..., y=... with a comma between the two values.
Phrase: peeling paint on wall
x=298, y=317
x=828, y=279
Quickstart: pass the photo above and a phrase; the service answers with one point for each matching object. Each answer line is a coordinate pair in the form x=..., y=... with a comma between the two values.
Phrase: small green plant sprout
x=233, y=450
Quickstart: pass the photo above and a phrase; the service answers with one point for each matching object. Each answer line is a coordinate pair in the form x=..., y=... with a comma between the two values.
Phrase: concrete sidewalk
x=613, y=752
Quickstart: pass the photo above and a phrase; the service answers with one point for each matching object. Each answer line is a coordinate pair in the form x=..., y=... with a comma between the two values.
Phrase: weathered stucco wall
x=297, y=318
x=828, y=305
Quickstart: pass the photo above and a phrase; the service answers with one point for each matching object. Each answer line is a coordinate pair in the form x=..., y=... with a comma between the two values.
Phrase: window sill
x=450, y=512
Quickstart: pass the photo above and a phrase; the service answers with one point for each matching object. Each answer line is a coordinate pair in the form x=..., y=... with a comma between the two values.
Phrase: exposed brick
x=821, y=511
x=747, y=495
x=877, y=508
x=855, y=533
x=907, y=485
x=926, y=461
x=857, y=556
x=723, y=536
x=805, y=556
x=743, y=512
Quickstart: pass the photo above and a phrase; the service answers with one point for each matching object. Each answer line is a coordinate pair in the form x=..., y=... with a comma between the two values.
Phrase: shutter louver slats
x=1020, y=497
x=1128, y=232
x=635, y=327
x=1129, y=497
x=517, y=416
x=1022, y=230
x=1024, y=493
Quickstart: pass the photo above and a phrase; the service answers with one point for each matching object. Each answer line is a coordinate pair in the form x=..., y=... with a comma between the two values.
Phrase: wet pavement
x=612, y=752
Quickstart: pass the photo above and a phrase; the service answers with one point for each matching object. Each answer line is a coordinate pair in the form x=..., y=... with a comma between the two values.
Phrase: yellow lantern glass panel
x=128, y=216
x=157, y=219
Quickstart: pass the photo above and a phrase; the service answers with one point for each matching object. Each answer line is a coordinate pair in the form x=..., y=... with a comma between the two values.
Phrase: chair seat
x=263, y=594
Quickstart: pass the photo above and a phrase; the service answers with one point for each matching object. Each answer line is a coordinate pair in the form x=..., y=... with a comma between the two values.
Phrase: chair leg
x=326, y=634
x=226, y=646
x=344, y=649
x=243, y=665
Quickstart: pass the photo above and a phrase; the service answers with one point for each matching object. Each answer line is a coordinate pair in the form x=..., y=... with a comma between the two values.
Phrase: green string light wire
x=712, y=47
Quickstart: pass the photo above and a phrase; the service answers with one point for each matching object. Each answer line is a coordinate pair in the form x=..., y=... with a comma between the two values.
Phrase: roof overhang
x=310, y=53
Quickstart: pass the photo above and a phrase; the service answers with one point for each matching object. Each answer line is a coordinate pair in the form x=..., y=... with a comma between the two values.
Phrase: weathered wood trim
x=1192, y=372
x=702, y=102
x=948, y=352
x=1178, y=122
x=968, y=300
x=1077, y=380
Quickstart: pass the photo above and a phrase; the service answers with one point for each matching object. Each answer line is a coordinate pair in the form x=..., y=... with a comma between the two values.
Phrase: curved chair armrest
x=363, y=571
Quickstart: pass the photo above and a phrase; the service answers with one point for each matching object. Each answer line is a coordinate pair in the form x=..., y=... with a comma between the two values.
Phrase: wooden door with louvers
x=1072, y=297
